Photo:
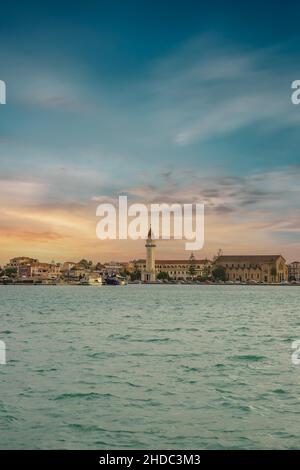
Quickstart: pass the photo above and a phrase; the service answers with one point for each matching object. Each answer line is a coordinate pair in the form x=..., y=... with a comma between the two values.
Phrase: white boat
x=95, y=280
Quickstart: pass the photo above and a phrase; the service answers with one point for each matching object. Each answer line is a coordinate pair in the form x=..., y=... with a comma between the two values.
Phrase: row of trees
x=218, y=274
x=89, y=264
x=8, y=272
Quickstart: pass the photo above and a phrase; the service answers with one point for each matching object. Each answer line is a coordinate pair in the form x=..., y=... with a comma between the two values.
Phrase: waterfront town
x=227, y=269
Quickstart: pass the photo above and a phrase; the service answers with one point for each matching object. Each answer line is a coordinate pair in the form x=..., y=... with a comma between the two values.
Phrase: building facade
x=294, y=271
x=39, y=271
x=178, y=269
x=254, y=268
x=114, y=267
x=15, y=263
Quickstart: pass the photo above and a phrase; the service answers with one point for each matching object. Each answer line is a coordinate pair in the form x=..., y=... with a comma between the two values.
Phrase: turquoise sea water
x=140, y=367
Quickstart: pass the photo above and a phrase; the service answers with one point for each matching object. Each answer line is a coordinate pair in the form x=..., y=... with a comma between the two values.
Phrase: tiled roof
x=175, y=261
x=251, y=259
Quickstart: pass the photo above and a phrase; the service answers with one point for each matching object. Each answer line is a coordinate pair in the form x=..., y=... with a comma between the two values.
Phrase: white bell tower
x=149, y=275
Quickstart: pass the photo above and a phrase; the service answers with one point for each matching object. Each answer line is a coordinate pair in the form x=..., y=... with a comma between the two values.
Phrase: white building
x=294, y=271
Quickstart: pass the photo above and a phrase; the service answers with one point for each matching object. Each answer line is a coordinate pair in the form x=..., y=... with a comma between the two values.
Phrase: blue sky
x=164, y=101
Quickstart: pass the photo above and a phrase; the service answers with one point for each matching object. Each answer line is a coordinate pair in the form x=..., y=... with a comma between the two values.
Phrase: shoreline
x=30, y=284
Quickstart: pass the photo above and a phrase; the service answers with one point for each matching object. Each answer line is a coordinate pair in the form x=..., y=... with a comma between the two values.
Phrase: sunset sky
x=162, y=101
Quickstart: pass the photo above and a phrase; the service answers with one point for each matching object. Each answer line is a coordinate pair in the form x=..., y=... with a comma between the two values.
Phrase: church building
x=256, y=268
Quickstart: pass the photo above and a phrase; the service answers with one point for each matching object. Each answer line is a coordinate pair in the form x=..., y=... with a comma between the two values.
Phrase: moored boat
x=116, y=280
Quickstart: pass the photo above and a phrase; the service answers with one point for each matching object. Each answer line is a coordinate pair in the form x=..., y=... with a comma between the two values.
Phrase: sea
x=149, y=367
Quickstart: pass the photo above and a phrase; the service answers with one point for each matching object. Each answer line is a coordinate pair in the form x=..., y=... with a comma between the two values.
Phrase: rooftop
x=176, y=261
x=247, y=258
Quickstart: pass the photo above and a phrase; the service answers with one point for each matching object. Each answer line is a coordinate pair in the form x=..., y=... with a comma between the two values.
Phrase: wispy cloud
x=207, y=89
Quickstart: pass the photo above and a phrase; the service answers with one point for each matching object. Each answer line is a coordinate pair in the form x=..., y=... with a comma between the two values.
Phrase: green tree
x=192, y=265
x=10, y=272
x=219, y=253
x=206, y=272
x=162, y=275
x=135, y=275
x=219, y=273
x=85, y=264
